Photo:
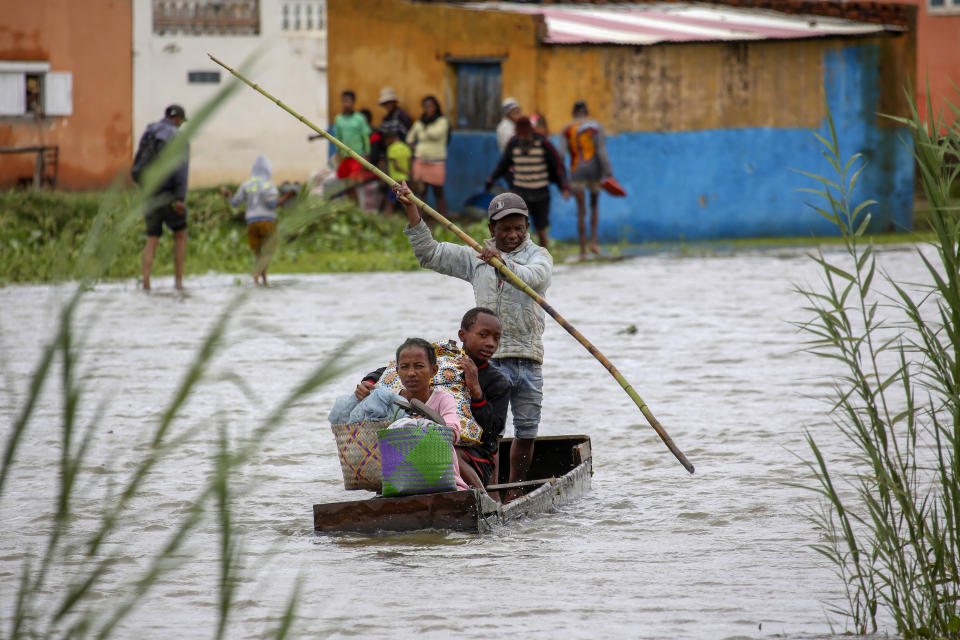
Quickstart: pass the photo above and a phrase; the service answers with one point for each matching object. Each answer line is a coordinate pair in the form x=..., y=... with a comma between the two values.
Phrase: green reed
x=58, y=593
x=889, y=512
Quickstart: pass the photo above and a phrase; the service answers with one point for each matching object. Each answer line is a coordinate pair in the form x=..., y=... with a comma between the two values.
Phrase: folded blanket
x=378, y=406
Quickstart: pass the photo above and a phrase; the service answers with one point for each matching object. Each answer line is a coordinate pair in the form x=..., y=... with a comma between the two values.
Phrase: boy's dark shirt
x=400, y=116
x=490, y=411
x=378, y=148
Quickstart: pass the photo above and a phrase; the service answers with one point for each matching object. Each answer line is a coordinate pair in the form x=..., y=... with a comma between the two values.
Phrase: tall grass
x=58, y=593
x=42, y=233
x=889, y=513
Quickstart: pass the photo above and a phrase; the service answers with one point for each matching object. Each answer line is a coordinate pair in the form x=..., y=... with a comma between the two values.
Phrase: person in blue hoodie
x=168, y=206
x=261, y=198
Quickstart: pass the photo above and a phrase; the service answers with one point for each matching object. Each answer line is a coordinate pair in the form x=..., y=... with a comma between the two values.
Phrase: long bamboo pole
x=495, y=262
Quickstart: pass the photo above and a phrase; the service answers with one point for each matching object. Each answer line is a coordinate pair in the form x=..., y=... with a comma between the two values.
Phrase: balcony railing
x=206, y=17
x=302, y=15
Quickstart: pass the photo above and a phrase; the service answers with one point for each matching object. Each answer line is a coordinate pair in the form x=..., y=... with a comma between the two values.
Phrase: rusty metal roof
x=643, y=23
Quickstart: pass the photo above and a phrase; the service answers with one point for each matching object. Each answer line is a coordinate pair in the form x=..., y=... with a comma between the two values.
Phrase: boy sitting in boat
x=489, y=393
x=416, y=367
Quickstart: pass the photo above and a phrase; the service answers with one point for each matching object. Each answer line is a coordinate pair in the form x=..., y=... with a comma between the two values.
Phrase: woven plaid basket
x=359, y=452
x=417, y=458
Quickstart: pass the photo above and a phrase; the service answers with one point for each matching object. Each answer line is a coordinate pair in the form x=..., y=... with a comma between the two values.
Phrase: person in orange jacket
x=589, y=166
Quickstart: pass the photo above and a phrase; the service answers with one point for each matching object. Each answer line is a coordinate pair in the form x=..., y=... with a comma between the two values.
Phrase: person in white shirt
x=507, y=128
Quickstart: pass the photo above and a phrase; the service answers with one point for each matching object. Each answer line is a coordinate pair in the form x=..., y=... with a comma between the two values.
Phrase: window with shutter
x=29, y=88
x=13, y=91
x=58, y=93
x=943, y=7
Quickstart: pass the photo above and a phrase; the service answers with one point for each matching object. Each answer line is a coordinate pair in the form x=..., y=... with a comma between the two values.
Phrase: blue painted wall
x=732, y=183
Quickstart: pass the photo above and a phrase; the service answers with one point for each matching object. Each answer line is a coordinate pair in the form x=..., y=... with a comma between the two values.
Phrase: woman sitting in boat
x=416, y=366
x=489, y=393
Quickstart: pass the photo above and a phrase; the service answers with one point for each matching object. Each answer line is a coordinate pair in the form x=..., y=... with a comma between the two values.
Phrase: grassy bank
x=41, y=233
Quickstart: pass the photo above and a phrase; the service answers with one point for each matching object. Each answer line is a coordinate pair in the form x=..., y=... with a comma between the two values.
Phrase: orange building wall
x=93, y=40
x=938, y=56
x=372, y=44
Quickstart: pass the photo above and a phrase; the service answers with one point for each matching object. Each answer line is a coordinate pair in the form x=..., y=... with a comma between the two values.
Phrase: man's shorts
x=259, y=233
x=164, y=214
x=539, y=212
x=593, y=186
x=481, y=461
x=538, y=204
x=526, y=394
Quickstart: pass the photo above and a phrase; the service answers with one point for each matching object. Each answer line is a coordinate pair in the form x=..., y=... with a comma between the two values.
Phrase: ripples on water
x=651, y=552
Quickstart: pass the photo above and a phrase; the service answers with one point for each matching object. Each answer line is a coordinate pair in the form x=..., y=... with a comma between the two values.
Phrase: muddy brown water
x=651, y=552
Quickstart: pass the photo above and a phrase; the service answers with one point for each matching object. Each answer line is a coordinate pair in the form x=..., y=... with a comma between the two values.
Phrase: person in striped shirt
x=530, y=163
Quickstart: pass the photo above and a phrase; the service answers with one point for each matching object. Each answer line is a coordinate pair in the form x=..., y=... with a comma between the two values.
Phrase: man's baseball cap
x=507, y=204
x=174, y=111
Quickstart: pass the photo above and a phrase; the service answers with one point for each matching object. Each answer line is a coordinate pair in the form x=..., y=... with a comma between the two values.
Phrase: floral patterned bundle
x=449, y=378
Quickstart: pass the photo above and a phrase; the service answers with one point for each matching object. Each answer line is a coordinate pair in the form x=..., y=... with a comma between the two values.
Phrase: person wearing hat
x=589, y=166
x=391, y=103
x=168, y=201
x=520, y=354
x=506, y=128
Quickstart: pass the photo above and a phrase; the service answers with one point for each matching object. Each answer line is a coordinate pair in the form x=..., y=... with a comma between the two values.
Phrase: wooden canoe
x=561, y=470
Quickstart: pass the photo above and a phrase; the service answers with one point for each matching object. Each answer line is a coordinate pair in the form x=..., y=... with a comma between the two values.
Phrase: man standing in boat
x=520, y=354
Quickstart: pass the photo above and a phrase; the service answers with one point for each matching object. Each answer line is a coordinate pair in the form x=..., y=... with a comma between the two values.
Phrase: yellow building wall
x=697, y=86
x=372, y=44
x=665, y=87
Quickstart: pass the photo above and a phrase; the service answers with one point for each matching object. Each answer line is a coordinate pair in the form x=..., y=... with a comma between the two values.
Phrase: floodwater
x=650, y=552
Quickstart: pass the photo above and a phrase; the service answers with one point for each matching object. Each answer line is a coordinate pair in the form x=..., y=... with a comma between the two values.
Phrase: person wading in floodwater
x=168, y=200
x=261, y=199
x=520, y=353
x=589, y=165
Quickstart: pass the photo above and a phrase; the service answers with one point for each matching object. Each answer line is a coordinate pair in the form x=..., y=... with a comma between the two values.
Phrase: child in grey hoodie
x=261, y=198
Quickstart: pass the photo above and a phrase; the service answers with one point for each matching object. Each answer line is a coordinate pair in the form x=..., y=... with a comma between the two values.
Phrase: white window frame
x=950, y=7
x=288, y=10
x=56, y=88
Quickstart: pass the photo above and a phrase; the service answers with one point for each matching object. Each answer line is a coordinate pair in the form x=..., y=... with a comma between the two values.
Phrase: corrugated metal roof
x=650, y=23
